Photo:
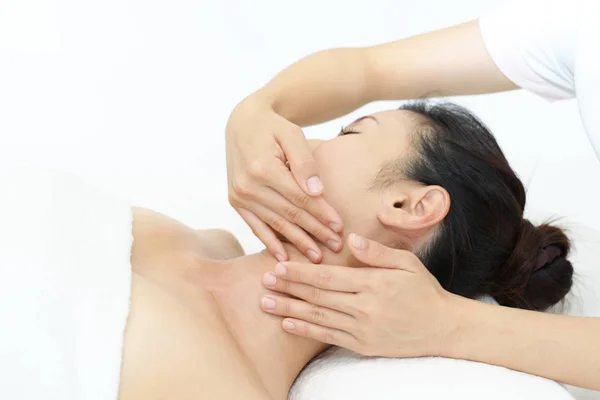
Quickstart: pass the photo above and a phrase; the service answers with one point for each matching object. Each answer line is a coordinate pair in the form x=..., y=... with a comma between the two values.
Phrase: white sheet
x=341, y=374
x=64, y=287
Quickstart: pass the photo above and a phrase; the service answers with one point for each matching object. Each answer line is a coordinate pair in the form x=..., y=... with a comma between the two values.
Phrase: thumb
x=302, y=164
x=375, y=254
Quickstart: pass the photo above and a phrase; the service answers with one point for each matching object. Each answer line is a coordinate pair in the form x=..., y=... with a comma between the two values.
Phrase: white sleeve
x=533, y=43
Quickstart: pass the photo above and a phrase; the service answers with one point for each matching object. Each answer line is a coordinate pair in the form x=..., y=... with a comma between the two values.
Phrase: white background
x=134, y=96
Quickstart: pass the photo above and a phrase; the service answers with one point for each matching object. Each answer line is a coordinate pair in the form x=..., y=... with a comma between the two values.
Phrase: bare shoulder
x=220, y=244
x=160, y=242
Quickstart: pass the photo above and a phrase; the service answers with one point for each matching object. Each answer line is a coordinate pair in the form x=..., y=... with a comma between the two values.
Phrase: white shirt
x=551, y=48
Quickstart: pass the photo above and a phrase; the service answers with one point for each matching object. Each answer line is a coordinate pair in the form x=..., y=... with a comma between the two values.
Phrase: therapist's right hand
x=269, y=196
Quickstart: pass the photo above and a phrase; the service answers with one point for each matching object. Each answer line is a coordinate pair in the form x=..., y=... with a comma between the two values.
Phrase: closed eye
x=347, y=131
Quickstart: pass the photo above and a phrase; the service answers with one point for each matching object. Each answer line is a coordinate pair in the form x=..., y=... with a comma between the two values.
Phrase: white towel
x=65, y=280
x=342, y=374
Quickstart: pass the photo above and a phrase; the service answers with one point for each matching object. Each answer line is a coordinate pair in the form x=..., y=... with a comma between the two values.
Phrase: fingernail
x=280, y=270
x=269, y=279
x=335, y=227
x=313, y=255
x=358, y=242
x=314, y=184
x=289, y=325
x=334, y=244
x=279, y=257
x=269, y=303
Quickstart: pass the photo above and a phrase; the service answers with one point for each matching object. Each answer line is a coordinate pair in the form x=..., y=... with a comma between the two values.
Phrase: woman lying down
x=427, y=178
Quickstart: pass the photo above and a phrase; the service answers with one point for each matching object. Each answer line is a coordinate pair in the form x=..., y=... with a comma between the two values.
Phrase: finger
x=328, y=277
x=320, y=333
x=339, y=301
x=287, y=307
x=281, y=183
x=264, y=234
x=293, y=233
x=375, y=254
x=298, y=216
x=302, y=163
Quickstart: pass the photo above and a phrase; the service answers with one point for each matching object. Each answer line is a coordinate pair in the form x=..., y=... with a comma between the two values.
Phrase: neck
x=293, y=254
x=278, y=356
x=328, y=256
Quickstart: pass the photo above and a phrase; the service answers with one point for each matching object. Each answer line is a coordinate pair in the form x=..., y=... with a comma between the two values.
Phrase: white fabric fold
x=65, y=282
x=342, y=374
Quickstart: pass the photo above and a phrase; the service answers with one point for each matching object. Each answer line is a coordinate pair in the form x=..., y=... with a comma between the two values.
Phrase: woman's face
x=349, y=164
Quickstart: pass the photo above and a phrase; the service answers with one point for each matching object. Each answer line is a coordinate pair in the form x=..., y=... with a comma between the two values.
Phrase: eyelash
x=347, y=131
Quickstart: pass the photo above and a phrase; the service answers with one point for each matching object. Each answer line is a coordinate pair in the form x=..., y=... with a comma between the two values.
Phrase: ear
x=414, y=208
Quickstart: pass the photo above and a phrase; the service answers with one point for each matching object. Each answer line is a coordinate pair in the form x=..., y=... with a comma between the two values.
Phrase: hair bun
x=537, y=274
x=547, y=256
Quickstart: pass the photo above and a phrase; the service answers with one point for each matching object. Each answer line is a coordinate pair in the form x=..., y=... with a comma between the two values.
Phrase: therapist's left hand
x=395, y=308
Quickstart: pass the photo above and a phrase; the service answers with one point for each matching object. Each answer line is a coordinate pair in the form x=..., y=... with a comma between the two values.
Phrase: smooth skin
x=403, y=312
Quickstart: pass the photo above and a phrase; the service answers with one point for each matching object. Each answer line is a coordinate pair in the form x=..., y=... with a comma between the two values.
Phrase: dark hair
x=484, y=245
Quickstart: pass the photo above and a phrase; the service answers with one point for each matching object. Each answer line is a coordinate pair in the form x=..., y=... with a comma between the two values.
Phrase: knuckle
x=315, y=315
x=278, y=223
x=318, y=231
x=302, y=200
x=389, y=285
x=328, y=335
x=324, y=279
x=286, y=308
x=365, y=310
x=320, y=215
x=315, y=295
x=258, y=169
x=233, y=198
x=293, y=214
x=285, y=286
x=241, y=187
x=318, y=211
x=365, y=283
x=373, y=283
x=304, y=330
x=293, y=274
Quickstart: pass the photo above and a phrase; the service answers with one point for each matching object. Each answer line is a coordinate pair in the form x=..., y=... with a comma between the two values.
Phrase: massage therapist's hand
x=267, y=194
x=395, y=308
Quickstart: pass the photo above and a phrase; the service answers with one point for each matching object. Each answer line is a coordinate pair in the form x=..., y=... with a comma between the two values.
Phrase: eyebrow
x=365, y=117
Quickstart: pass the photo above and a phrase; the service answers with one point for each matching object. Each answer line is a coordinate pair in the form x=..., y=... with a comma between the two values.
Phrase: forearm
x=562, y=348
x=319, y=87
x=332, y=83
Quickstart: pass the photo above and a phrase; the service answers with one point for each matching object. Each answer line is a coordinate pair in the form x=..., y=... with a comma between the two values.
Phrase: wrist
x=252, y=105
x=459, y=327
x=259, y=100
